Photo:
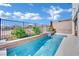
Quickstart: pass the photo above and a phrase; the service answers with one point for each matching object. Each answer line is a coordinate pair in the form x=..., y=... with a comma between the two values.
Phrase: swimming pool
x=44, y=46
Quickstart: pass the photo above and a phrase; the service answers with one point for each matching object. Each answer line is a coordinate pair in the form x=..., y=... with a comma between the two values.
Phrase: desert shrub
x=19, y=32
x=37, y=30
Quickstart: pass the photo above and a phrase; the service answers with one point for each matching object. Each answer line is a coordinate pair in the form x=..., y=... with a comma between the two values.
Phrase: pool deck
x=69, y=47
x=3, y=52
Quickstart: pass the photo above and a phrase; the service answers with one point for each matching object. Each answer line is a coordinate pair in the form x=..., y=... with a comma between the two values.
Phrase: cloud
x=36, y=18
x=69, y=10
x=30, y=4
x=32, y=16
x=18, y=15
x=54, y=12
x=5, y=4
x=4, y=15
x=56, y=17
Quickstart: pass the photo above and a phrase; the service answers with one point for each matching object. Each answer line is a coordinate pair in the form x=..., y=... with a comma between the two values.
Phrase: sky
x=41, y=13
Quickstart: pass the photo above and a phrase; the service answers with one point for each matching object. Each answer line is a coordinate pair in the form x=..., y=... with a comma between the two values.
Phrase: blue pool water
x=44, y=46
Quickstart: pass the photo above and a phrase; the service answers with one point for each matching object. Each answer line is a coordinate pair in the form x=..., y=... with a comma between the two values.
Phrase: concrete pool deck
x=69, y=47
x=3, y=52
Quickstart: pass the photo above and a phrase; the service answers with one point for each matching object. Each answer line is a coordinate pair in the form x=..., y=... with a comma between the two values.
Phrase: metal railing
x=8, y=25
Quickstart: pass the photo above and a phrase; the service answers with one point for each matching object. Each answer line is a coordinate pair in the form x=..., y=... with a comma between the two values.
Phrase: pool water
x=44, y=46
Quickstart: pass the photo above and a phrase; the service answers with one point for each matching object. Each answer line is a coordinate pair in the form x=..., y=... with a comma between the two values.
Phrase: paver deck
x=69, y=47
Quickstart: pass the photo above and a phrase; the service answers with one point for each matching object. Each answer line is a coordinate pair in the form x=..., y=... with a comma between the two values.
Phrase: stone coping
x=14, y=43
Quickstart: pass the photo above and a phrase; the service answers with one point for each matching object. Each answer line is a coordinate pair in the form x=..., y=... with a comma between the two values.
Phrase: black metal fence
x=8, y=25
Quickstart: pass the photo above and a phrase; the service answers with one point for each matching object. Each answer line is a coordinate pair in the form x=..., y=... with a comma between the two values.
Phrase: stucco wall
x=78, y=24
x=75, y=7
x=78, y=28
x=63, y=27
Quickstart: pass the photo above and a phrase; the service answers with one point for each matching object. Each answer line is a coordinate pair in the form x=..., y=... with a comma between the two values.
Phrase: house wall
x=75, y=7
x=78, y=24
x=63, y=27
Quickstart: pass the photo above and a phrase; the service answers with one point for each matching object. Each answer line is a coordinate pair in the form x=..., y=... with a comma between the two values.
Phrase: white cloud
x=56, y=17
x=18, y=14
x=7, y=14
x=4, y=15
x=32, y=16
x=54, y=12
x=30, y=4
x=36, y=18
x=69, y=10
x=5, y=4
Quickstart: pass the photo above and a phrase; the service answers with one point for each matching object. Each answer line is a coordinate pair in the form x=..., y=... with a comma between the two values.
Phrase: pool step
x=50, y=47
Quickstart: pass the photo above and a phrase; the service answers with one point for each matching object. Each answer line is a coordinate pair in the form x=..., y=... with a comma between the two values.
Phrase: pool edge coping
x=9, y=44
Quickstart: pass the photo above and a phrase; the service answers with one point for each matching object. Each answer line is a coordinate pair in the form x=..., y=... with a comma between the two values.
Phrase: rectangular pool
x=44, y=46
